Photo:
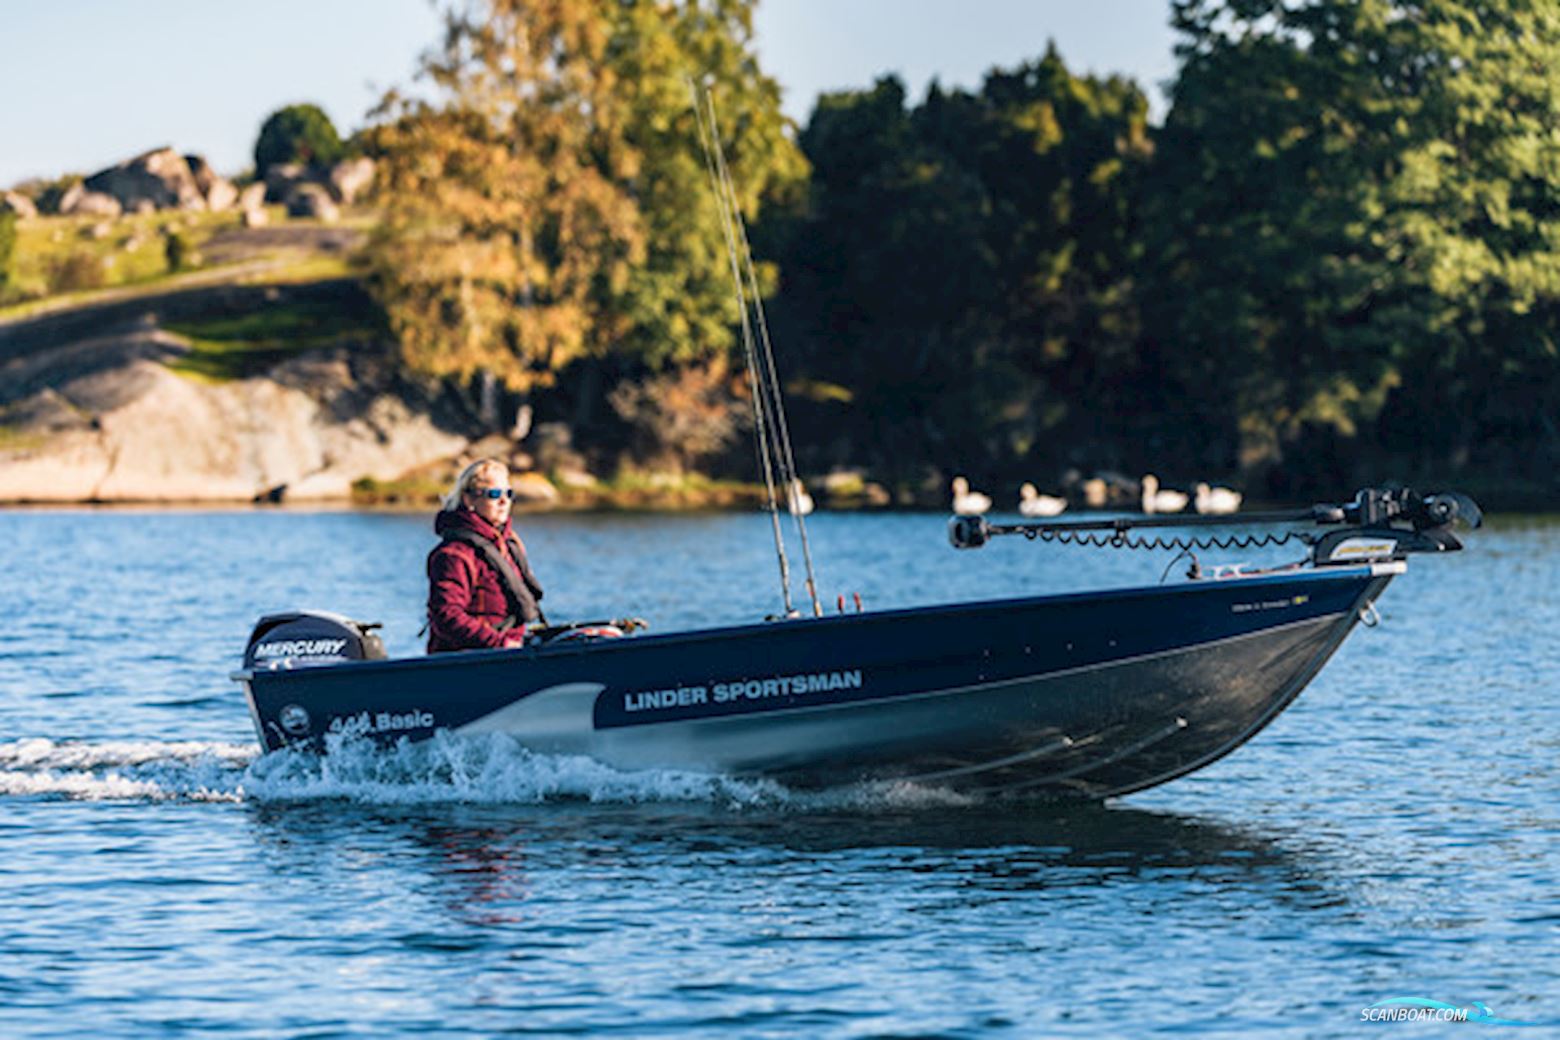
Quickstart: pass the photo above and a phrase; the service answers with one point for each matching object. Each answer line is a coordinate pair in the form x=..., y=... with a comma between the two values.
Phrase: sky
x=88, y=83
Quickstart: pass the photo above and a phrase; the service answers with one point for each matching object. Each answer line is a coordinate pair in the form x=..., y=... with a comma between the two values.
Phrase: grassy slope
x=228, y=348
x=127, y=257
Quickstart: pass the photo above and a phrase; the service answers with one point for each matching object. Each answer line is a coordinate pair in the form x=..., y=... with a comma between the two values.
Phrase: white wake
x=491, y=769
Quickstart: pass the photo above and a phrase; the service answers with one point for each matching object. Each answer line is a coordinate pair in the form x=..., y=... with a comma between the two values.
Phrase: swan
x=1216, y=499
x=1032, y=503
x=799, y=501
x=1157, y=501
x=967, y=502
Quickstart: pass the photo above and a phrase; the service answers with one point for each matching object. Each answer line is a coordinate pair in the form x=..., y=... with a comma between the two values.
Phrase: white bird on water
x=967, y=502
x=800, y=502
x=1032, y=503
x=1216, y=499
x=1157, y=501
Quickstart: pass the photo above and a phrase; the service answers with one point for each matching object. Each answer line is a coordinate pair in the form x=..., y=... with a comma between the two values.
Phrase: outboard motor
x=302, y=638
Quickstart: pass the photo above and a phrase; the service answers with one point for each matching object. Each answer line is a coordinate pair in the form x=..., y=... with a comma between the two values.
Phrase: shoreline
x=1549, y=513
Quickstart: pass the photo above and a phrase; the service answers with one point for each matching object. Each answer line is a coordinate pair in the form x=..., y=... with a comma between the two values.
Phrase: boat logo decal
x=300, y=648
x=729, y=696
x=294, y=719
x=1270, y=604
x=737, y=690
x=1363, y=549
x=381, y=722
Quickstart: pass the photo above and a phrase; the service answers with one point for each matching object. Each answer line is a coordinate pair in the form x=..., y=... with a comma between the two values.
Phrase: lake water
x=1395, y=833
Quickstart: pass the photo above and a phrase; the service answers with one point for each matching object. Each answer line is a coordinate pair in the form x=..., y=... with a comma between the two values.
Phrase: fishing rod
x=771, y=431
x=786, y=458
x=760, y=421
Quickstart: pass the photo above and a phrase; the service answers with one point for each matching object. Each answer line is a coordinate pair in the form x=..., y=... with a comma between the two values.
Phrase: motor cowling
x=304, y=638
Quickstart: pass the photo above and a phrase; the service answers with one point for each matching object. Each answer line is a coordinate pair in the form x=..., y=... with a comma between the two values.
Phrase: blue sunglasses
x=493, y=493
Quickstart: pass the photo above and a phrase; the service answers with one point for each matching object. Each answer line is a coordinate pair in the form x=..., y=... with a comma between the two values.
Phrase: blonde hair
x=467, y=475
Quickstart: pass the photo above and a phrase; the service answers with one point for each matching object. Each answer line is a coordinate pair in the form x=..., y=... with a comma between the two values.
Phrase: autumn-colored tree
x=549, y=203
x=506, y=226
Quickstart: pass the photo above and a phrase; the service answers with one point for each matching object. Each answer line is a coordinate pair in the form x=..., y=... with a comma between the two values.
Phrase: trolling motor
x=1390, y=523
x=1383, y=524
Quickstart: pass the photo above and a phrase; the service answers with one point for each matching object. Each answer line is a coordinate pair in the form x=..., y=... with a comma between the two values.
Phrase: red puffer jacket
x=467, y=600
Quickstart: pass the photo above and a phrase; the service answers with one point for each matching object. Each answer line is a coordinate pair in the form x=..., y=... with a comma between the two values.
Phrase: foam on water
x=490, y=769
x=143, y=770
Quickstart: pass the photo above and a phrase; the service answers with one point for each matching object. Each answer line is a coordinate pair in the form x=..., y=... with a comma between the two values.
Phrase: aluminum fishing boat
x=1083, y=695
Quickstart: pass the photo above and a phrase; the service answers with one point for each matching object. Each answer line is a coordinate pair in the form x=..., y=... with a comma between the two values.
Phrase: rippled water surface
x=1395, y=833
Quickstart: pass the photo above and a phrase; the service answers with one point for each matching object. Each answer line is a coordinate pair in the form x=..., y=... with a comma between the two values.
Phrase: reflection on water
x=478, y=855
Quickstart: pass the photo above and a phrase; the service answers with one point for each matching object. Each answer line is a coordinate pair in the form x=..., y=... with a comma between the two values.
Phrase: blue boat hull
x=1087, y=695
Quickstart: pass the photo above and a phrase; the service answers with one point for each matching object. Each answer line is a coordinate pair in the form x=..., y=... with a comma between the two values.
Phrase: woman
x=481, y=592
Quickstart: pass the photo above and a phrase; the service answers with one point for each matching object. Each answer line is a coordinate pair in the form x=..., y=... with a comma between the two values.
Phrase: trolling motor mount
x=1382, y=524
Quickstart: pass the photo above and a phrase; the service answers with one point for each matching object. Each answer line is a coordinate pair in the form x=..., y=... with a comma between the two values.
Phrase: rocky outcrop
x=251, y=206
x=109, y=418
x=142, y=432
x=533, y=489
x=17, y=203
x=349, y=178
x=281, y=178
x=342, y=183
x=312, y=202
x=79, y=201
x=162, y=177
x=216, y=189
x=252, y=197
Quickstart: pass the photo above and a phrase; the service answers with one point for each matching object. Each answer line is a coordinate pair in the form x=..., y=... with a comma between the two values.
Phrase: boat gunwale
x=1329, y=573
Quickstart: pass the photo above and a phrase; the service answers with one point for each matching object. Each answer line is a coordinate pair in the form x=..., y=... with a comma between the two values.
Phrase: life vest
x=521, y=588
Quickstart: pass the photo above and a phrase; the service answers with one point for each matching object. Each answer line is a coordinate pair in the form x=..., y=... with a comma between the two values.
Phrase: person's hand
x=514, y=638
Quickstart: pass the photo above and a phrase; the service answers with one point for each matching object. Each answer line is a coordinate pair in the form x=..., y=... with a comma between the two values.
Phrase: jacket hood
x=461, y=517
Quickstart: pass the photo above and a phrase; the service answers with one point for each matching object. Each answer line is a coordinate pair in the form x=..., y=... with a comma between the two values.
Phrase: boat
x=1083, y=695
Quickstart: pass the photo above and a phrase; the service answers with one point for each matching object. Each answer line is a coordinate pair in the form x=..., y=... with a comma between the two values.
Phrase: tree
x=550, y=205
x=1063, y=158
x=894, y=282
x=678, y=305
x=964, y=271
x=297, y=134
x=177, y=251
x=1258, y=287
x=1472, y=220
x=506, y=225
x=1355, y=218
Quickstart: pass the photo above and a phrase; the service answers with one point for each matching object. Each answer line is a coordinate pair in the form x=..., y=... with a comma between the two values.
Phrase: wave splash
x=491, y=769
